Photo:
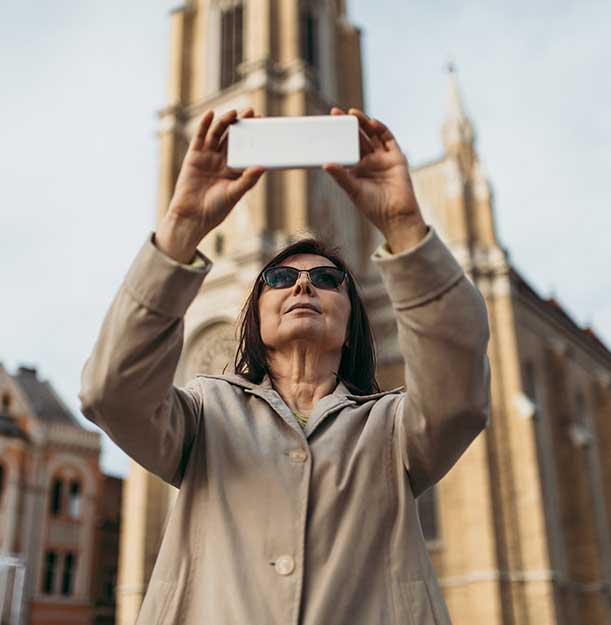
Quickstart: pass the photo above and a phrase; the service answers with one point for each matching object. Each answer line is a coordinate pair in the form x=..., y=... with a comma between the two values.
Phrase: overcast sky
x=82, y=81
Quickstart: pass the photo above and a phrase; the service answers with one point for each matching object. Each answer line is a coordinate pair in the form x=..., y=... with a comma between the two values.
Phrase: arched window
x=219, y=244
x=48, y=578
x=232, y=44
x=56, y=497
x=68, y=576
x=308, y=36
x=74, y=501
x=6, y=402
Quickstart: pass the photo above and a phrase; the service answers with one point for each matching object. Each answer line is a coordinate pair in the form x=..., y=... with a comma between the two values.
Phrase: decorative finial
x=451, y=67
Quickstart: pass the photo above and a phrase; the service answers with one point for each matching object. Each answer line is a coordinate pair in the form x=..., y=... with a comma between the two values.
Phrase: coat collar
x=327, y=405
x=265, y=387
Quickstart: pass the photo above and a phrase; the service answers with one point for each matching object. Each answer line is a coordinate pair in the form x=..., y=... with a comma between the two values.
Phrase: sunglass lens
x=280, y=277
x=327, y=277
x=322, y=277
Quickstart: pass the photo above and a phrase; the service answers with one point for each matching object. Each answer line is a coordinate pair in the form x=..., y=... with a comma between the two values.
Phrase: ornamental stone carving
x=212, y=349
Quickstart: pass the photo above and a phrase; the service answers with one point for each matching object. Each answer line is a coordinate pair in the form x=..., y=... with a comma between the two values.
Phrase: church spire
x=458, y=135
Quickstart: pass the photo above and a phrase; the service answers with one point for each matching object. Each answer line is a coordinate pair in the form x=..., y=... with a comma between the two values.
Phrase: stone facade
x=519, y=529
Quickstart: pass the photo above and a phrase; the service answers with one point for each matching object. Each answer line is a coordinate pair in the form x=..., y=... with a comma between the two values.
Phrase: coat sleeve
x=443, y=334
x=127, y=382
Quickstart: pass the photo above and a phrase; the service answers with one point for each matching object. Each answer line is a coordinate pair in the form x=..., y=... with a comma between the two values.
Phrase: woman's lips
x=304, y=309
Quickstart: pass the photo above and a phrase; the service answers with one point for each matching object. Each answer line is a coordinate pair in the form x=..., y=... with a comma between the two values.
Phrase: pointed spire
x=455, y=108
x=340, y=7
x=457, y=128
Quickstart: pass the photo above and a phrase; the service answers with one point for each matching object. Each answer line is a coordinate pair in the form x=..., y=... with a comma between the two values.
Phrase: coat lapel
x=265, y=391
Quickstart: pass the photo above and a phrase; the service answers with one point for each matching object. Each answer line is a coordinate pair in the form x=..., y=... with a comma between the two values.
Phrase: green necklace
x=301, y=418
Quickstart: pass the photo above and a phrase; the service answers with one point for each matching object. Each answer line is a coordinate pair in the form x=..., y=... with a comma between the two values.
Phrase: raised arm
x=127, y=383
x=441, y=317
x=443, y=334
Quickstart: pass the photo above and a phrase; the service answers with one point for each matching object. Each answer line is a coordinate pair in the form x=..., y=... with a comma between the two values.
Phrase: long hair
x=358, y=361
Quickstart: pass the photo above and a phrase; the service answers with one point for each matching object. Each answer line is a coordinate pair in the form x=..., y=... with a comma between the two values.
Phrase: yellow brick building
x=519, y=531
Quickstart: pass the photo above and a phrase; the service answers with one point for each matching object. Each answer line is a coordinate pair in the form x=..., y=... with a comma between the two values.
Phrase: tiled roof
x=555, y=310
x=44, y=401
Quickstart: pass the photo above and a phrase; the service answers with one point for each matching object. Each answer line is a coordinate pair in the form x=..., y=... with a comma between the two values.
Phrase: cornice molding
x=495, y=285
x=68, y=435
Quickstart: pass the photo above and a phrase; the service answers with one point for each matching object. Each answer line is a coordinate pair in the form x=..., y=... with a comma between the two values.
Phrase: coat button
x=298, y=455
x=285, y=565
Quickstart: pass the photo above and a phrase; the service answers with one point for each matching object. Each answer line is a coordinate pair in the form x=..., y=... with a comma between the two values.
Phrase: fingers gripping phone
x=293, y=142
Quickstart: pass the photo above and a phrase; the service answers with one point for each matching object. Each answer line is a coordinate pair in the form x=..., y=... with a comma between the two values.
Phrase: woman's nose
x=303, y=284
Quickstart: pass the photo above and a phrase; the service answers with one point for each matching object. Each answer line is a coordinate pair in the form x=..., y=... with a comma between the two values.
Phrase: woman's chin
x=306, y=334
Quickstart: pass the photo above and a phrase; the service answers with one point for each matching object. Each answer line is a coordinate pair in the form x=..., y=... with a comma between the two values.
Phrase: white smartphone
x=293, y=142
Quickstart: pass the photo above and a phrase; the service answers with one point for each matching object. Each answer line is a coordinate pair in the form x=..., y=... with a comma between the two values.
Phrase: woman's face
x=324, y=328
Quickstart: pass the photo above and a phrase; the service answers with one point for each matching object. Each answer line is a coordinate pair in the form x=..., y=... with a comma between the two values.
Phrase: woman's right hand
x=206, y=189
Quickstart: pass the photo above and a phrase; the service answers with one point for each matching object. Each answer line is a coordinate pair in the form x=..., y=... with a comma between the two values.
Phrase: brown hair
x=358, y=362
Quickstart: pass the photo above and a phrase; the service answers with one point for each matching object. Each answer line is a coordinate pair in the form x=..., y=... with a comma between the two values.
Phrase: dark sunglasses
x=282, y=277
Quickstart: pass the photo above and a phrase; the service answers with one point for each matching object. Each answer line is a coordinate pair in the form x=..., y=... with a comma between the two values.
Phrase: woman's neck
x=301, y=380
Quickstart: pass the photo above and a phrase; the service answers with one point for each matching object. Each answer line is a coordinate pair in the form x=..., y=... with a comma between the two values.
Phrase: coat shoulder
x=222, y=380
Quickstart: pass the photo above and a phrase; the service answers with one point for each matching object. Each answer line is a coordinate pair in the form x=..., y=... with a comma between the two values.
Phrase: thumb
x=343, y=178
x=237, y=188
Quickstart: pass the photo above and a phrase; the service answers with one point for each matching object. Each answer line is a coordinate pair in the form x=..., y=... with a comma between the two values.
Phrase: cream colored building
x=519, y=530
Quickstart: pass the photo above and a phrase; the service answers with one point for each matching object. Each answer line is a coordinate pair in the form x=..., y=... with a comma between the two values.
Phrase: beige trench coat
x=274, y=525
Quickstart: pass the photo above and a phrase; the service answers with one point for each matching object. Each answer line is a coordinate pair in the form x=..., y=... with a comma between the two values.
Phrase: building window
x=530, y=381
x=109, y=584
x=75, y=498
x=49, y=573
x=232, y=43
x=308, y=36
x=56, y=497
x=526, y=401
x=219, y=244
x=579, y=431
x=68, y=576
x=427, y=511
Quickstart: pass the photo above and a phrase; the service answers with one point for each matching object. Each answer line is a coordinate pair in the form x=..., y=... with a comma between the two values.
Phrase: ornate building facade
x=519, y=531
x=56, y=511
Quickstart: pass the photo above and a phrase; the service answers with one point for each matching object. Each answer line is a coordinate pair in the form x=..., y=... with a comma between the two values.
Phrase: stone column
x=82, y=583
x=143, y=515
x=11, y=508
x=526, y=585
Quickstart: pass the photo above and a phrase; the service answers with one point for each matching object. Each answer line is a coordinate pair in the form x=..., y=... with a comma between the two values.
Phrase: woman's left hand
x=379, y=184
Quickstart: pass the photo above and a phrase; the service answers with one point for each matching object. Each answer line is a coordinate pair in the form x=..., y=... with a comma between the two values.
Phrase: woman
x=297, y=477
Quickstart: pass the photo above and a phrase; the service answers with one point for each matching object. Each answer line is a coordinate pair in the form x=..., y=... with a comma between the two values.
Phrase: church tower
x=283, y=58
x=512, y=541
x=519, y=529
